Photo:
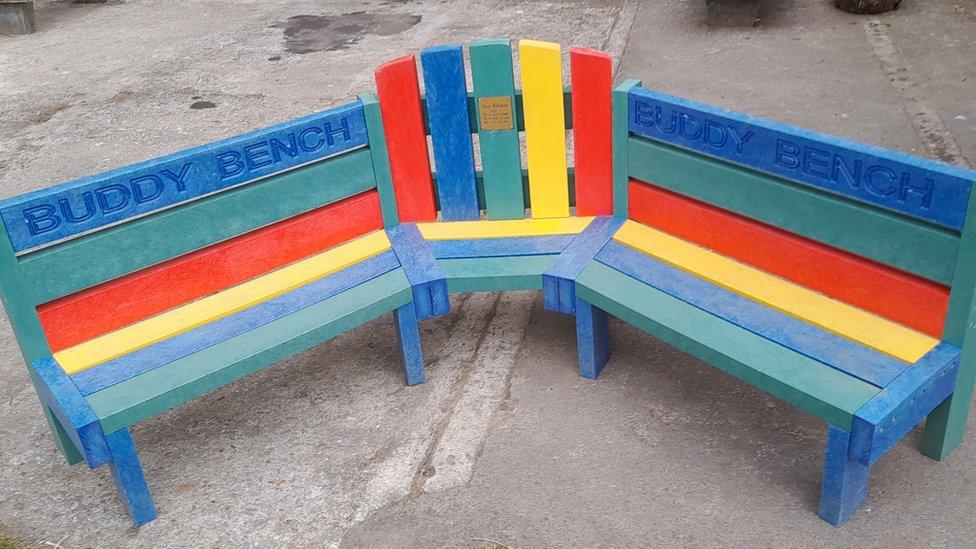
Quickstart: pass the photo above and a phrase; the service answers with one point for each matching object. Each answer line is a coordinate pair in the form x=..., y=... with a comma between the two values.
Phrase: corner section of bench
x=559, y=279
x=427, y=280
x=903, y=404
x=59, y=393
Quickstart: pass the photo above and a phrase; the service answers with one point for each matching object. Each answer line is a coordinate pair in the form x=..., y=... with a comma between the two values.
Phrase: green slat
x=491, y=72
x=946, y=426
x=894, y=240
x=182, y=380
x=380, y=158
x=494, y=274
x=620, y=147
x=77, y=264
x=801, y=381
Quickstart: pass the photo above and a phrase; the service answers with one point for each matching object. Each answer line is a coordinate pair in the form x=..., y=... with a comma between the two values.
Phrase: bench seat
x=874, y=380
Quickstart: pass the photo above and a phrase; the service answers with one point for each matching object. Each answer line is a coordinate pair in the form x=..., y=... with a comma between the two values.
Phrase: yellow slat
x=834, y=316
x=216, y=306
x=457, y=230
x=545, y=130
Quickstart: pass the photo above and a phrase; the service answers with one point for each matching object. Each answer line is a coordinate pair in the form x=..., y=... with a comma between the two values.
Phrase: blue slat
x=427, y=280
x=806, y=339
x=896, y=181
x=115, y=371
x=60, y=394
x=500, y=247
x=450, y=131
x=56, y=213
x=903, y=404
x=559, y=280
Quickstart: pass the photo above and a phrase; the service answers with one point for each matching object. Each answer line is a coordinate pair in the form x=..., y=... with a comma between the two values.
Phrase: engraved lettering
x=229, y=164
x=660, y=120
x=258, y=155
x=816, y=162
x=277, y=147
x=871, y=182
x=741, y=141
x=180, y=180
x=853, y=176
x=495, y=113
x=684, y=121
x=927, y=190
x=41, y=219
x=69, y=215
x=343, y=131
x=140, y=193
x=787, y=154
x=112, y=193
x=303, y=139
x=644, y=114
x=715, y=135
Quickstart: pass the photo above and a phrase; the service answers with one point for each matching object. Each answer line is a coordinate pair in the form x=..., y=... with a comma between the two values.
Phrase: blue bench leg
x=845, y=482
x=408, y=336
x=128, y=475
x=592, y=339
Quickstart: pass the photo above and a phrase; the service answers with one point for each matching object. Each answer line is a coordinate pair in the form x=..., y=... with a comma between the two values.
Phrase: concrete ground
x=504, y=445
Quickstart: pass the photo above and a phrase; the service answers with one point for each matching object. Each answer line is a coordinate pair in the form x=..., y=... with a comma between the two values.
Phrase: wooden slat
x=139, y=295
x=592, y=81
x=179, y=320
x=831, y=315
x=450, y=131
x=70, y=209
x=859, y=229
x=907, y=184
x=138, y=362
x=500, y=247
x=902, y=297
x=545, y=133
x=492, y=77
x=808, y=340
x=494, y=274
x=158, y=390
x=403, y=122
x=503, y=228
x=801, y=381
x=55, y=272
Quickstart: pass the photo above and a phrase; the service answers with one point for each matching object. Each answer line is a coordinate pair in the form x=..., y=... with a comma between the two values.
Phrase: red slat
x=893, y=294
x=111, y=305
x=403, y=124
x=592, y=80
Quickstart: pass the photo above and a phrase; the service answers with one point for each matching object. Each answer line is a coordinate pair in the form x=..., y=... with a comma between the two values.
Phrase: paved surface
x=504, y=443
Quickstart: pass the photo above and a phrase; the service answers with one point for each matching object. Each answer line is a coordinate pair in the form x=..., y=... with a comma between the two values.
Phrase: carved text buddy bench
x=835, y=276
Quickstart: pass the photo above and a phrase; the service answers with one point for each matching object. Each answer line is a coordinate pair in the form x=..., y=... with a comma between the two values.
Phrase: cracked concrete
x=504, y=442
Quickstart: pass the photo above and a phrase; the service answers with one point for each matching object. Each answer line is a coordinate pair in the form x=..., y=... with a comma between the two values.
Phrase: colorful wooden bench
x=835, y=276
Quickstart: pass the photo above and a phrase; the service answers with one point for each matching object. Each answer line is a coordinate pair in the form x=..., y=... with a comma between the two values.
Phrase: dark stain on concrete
x=202, y=105
x=312, y=33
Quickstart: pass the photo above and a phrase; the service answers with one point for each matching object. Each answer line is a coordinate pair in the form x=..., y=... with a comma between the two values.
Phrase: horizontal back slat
x=71, y=266
x=895, y=181
x=67, y=210
x=895, y=240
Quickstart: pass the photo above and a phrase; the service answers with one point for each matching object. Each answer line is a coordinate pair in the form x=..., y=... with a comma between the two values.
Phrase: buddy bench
x=835, y=276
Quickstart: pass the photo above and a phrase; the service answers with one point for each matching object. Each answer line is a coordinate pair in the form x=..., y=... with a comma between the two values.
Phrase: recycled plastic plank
x=592, y=82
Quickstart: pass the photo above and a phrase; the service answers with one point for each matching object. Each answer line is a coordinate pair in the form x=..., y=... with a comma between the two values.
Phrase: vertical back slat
x=494, y=92
x=592, y=84
x=380, y=158
x=545, y=129
x=403, y=122
x=450, y=131
x=621, y=146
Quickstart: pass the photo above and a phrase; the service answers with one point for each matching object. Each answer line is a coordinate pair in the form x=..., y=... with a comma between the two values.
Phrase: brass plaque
x=496, y=113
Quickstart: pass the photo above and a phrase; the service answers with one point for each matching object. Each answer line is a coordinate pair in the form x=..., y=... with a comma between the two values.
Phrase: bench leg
x=592, y=339
x=128, y=475
x=845, y=482
x=408, y=336
x=61, y=438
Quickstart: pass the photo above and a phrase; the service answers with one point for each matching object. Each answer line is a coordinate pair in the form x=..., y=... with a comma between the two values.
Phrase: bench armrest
x=59, y=393
x=903, y=404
